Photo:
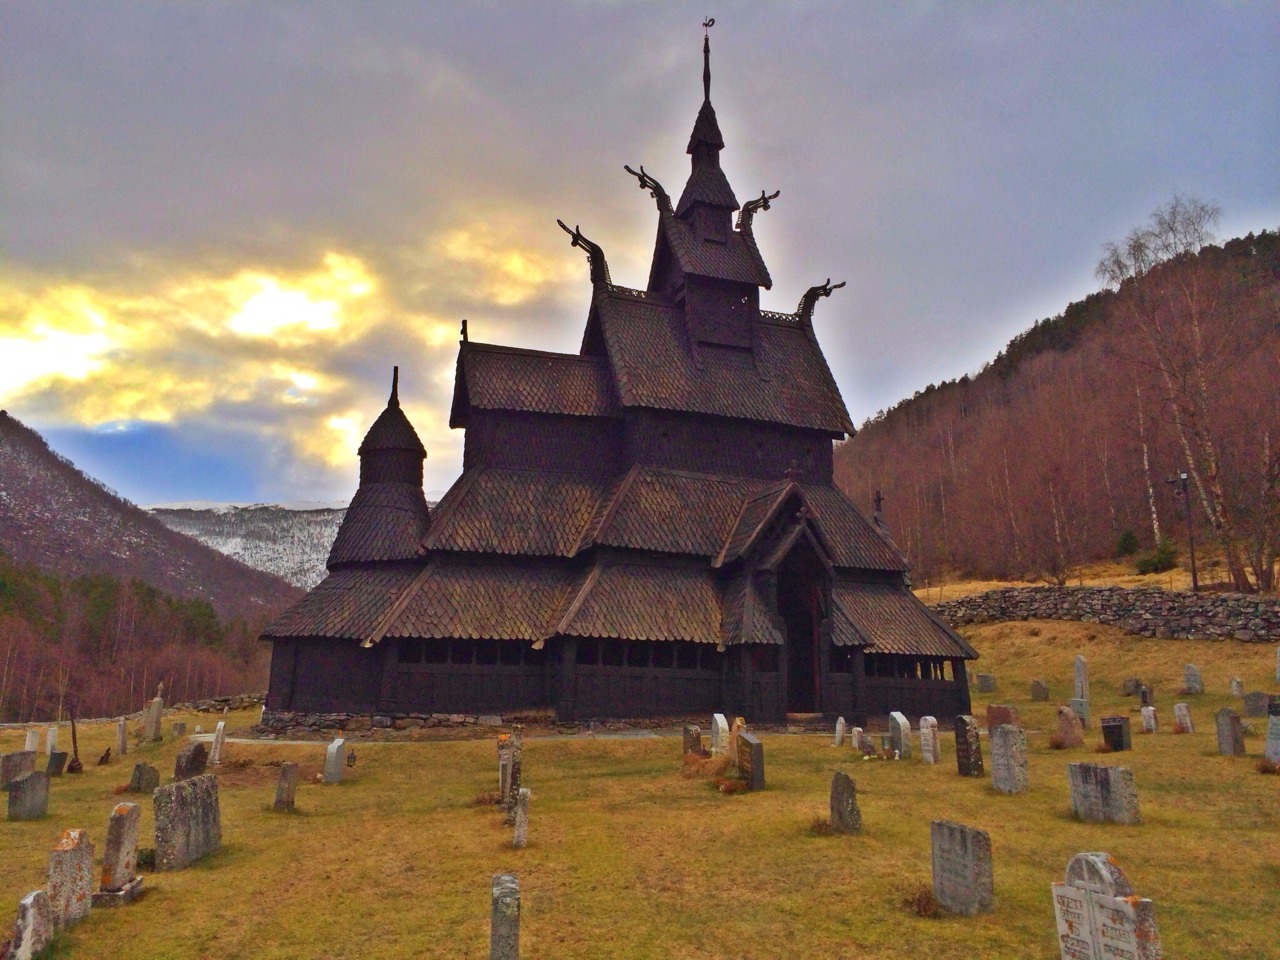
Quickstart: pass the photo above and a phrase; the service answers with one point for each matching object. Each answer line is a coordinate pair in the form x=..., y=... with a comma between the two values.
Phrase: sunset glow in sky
x=221, y=224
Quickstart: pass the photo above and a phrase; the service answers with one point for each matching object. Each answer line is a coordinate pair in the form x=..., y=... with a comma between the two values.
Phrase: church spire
x=706, y=58
x=707, y=184
x=394, y=401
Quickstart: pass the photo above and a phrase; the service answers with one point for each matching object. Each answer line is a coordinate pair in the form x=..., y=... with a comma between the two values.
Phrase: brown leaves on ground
x=695, y=767
x=920, y=900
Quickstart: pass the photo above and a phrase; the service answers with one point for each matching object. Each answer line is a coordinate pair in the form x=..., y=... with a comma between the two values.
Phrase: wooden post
x=567, y=701
x=859, y=711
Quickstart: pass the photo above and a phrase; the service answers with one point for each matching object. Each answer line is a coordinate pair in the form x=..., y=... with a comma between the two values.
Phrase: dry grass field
x=627, y=859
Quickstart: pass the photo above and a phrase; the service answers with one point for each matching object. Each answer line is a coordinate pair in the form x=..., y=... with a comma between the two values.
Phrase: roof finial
x=707, y=24
x=395, y=388
x=464, y=329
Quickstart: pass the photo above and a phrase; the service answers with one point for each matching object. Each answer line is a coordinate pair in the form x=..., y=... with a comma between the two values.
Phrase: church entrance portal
x=800, y=604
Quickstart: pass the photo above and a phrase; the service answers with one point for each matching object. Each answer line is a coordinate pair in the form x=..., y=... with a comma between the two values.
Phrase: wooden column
x=859, y=688
x=962, y=682
x=747, y=705
x=566, y=696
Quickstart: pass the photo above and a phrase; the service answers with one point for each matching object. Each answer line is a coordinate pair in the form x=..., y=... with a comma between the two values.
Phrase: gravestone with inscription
x=1039, y=691
x=1009, y=759
x=968, y=747
x=1182, y=719
x=70, y=883
x=1116, y=733
x=1255, y=704
x=986, y=683
x=719, y=734
x=845, y=815
x=1150, y=722
x=1082, y=678
x=1272, y=748
x=900, y=734
x=1098, y=916
x=962, y=875
x=1230, y=733
x=1070, y=729
x=998, y=714
x=1101, y=793
x=1192, y=682
x=929, y=752
x=188, y=822
x=751, y=760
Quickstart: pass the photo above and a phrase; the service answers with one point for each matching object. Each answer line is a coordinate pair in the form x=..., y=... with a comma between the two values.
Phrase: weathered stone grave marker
x=515, y=774
x=15, y=765
x=1147, y=694
x=838, y=740
x=692, y=739
x=190, y=762
x=1081, y=708
x=1272, y=749
x=751, y=760
x=1237, y=687
x=1191, y=680
x=968, y=747
x=900, y=734
x=51, y=740
x=1116, y=733
x=1082, y=678
x=999, y=714
x=929, y=752
x=151, y=718
x=1070, y=729
x=1009, y=759
x=1102, y=793
x=504, y=918
x=188, y=822
x=122, y=737
x=522, y=819
x=335, y=761
x=178, y=730
x=120, y=881
x=1255, y=704
x=286, y=787
x=29, y=796
x=719, y=734
x=986, y=683
x=34, y=929
x=220, y=742
x=1182, y=719
x=1150, y=722
x=1132, y=687
x=33, y=741
x=1039, y=691
x=855, y=738
x=70, y=883
x=144, y=780
x=962, y=875
x=1098, y=916
x=845, y=815
x=1230, y=733
x=57, y=762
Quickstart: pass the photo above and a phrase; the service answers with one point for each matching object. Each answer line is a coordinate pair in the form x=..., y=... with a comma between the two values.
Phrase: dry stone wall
x=1165, y=614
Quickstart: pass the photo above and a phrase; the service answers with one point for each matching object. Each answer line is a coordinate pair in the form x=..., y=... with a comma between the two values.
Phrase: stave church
x=647, y=527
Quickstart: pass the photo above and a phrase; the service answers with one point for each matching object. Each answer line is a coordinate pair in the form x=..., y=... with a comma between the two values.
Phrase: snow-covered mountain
x=290, y=540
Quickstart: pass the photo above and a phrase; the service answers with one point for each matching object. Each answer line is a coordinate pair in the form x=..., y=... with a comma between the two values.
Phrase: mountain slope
x=58, y=519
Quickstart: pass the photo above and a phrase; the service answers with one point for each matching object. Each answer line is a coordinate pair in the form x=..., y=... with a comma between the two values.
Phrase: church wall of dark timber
x=720, y=445
x=530, y=440
x=324, y=675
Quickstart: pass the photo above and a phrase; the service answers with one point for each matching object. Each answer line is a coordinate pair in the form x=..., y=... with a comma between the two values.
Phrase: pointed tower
x=388, y=516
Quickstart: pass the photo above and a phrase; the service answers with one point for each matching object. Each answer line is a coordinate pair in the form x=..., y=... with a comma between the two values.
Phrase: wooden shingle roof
x=386, y=521
x=345, y=605
x=737, y=258
x=645, y=602
x=887, y=618
x=491, y=377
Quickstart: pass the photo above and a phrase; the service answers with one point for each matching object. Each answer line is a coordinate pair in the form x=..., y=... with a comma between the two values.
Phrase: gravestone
x=1116, y=732
x=522, y=819
x=1255, y=704
x=190, y=762
x=151, y=717
x=986, y=683
x=504, y=918
x=1009, y=759
x=504, y=768
x=34, y=929
x=1098, y=916
x=1150, y=722
x=900, y=734
x=929, y=752
x=57, y=761
x=868, y=745
x=1191, y=679
x=144, y=780
x=515, y=774
x=1132, y=686
x=29, y=796
x=220, y=742
x=199, y=729
x=335, y=761
x=1070, y=729
x=1230, y=733
x=692, y=740
x=1082, y=678
x=962, y=876
x=120, y=881
x=15, y=765
x=122, y=737
x=1237, y=687
x=33, y=741
x=1102, y=793
x=841, y=729
x=999, y=714
x=1278, y=665
x=1081, y=708
x=70, y=883
x=1272, y=748
x=51, y=740
x=968, y=747
x=188, y=822
x=719, y=734
x=1039, y=691
x=751, y=760
x=1182, y=719
x=179, y=730
x=855, y=738
x=845, y=815
x=286, y=787
x=1147, y=694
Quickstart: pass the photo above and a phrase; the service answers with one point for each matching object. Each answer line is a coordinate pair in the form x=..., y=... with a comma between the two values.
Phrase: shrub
x=1266, y=766
x=1103, y=747
x=1127, y=545
x=1163, y=558
x=921, y=901
x=821, y=826
x=1057, y=743
x=490, y=799
x=726, y=785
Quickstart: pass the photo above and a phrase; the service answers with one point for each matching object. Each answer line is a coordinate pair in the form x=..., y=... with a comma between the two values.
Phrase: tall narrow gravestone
x=122, y=737
x=1009, y=759
x=1082, y=678
x=1182, y=719
x=841, y=729
x=504, y=918
x=751, y=760
x=151, y=718
x=999, y=714
x=57, y=761
x=219, y=742
x=1191, y=679
x=1081, y=708
x=286, y=787
x=1230, y=733
x=33, y=741
x=968, y=747
x=522, y=819
x=29, y=796
x=692, y=739
x=1273, y=732
x=120, y=880
x=504, y=768
x=335, y=761
x=719, y=734
x=1101, y=793
x=515, y=775
x=900, y=734
x=1039, y=691
x=70, y=883
x=34, y=929
x=1237, y=687
x=845, y=815
x=1150, y=722
x=962, y=876
x=1116, y=733
x=1278, y=665
x=929, y=740
x=51, y=740
x=855, y=738
x=1098, y=916
x=188, y=822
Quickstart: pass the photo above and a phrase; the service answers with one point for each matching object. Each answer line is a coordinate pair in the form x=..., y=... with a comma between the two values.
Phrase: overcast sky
x=222, y=223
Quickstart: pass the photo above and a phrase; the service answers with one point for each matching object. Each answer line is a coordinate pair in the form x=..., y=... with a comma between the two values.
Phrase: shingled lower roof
x=737, y=258
x=890, y=619
x=652, y=367
x=645, y=602
x=491, y=377
x=345, y=605
x=386, y=521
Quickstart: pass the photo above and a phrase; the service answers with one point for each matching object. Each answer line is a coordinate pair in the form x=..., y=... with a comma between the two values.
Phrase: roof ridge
x=384, y=622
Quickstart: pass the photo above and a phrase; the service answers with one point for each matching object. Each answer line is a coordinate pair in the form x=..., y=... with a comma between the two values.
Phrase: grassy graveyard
x=628, y=859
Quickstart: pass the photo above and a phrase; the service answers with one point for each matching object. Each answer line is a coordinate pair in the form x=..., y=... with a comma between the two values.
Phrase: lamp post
x=1179, y=484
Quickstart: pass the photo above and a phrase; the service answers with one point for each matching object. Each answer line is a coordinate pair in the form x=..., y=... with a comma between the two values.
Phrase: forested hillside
x=1060, y=449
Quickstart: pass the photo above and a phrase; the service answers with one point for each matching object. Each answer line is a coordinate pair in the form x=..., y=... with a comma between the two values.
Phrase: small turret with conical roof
x=388, y=516
x=708, y=200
